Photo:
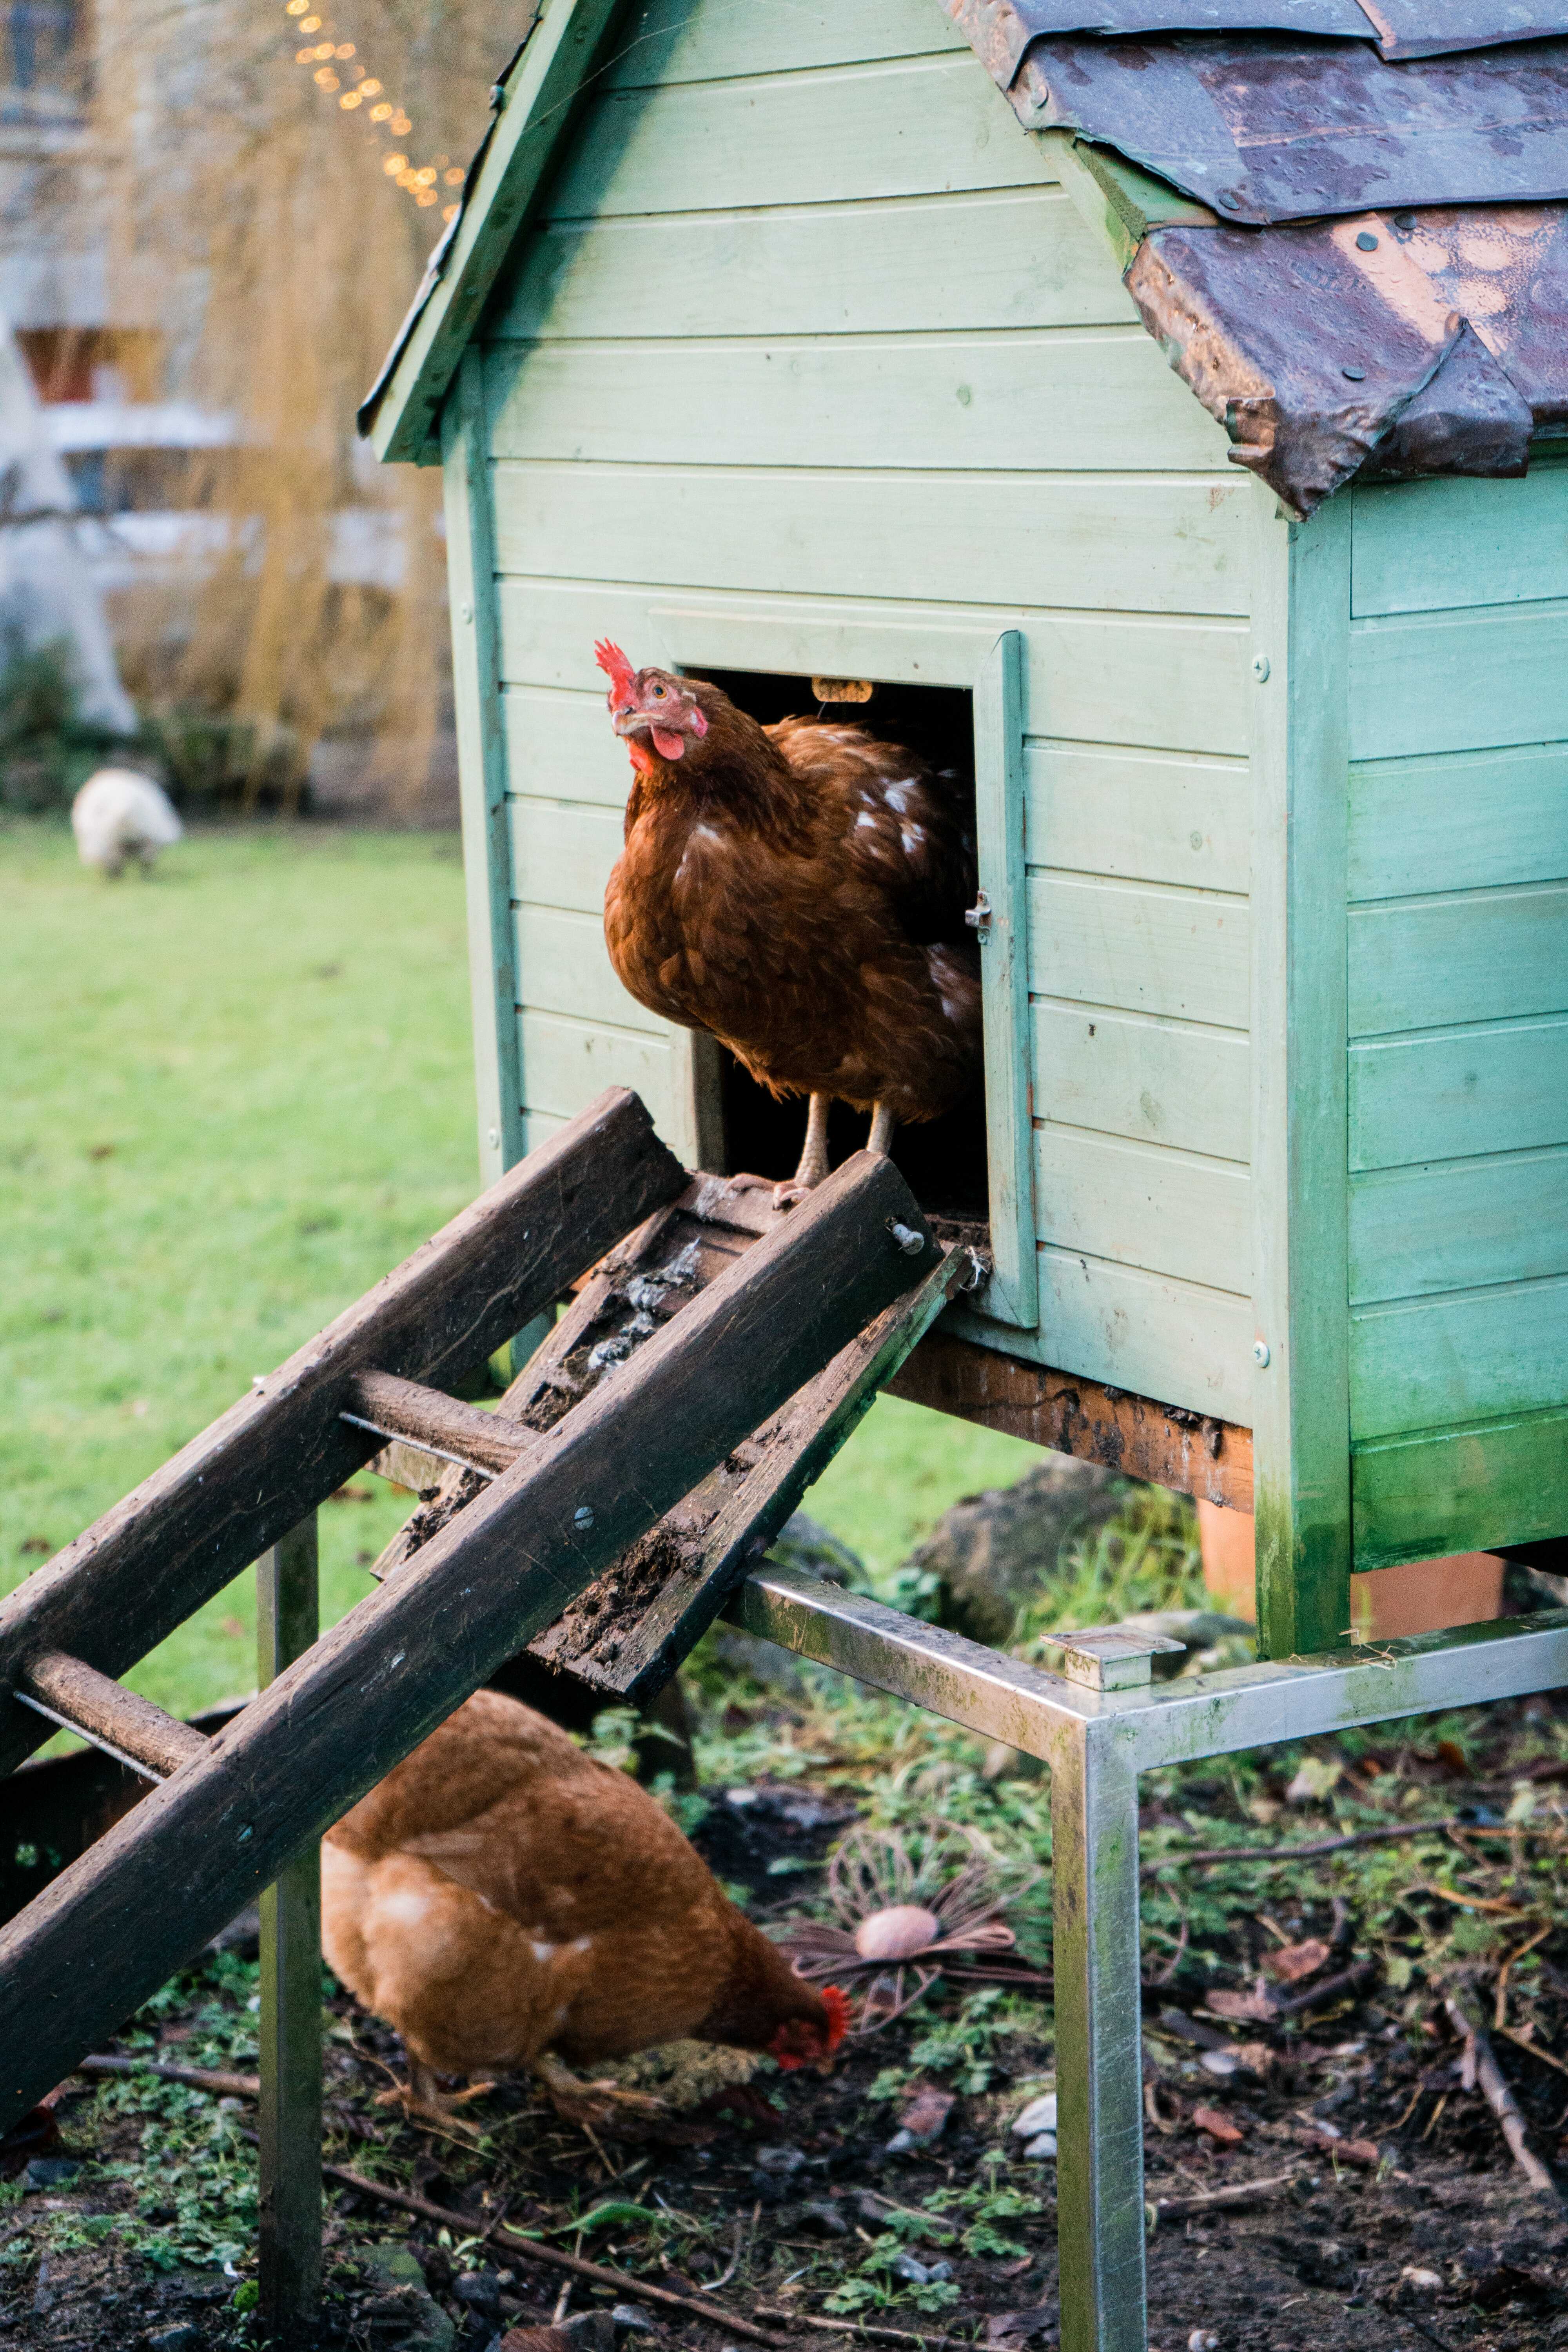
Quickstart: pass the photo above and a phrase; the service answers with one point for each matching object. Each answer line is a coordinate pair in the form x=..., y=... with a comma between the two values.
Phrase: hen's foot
x=880, y=1138
x=420, y=2097
x=813, y=1157
x=577, y=2102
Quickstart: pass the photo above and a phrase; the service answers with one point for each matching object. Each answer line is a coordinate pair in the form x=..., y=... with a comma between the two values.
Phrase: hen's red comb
x=616, y=666
x=837, y=2004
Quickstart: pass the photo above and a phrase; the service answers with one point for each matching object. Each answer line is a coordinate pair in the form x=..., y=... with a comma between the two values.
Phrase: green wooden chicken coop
x=1163, y=409
x=783, y=345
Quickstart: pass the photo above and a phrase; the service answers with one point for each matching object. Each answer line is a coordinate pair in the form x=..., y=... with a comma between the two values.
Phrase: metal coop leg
x=291, y=2118
x=1100, y=2100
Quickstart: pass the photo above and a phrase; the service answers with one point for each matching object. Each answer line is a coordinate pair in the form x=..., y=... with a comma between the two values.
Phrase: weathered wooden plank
x=1156, y=1081
x=178, y=1537
x=1421, y=546
x=1459, y=1224
x=562, y=968
x=1150, y=1333
x=562, y=747
x=1170, y=683
x=1143, y=1205
x=674, y=41
x=561, y=854
x=109, y=1929
x=1191, y=1454
x=1183, y=954
x=1142, y=817
x=1451, y=1092
x=1019, y=258
x=1471, y=1488
x=566, y=1063
x=1468, y=1356
x=1493, y=955
x=1094, y=401
x=903, y=128
x=1097, y=542
x=1458, y=681
x=108, y=1716
x=1471, y=821
x=408, y=1408
x=481, y=770
x=1301, y=1410
x=1014, y=1295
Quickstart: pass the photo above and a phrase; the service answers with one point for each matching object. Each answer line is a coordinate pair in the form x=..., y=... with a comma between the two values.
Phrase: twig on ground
x=867, y=2330
x=196, y=2078
x=1481, y=2072
x=1207, y=2200
x=1312, y=1846
x=1524, y=2042
x=738, y=2239
x=1352, y=1979
x=645, y=2290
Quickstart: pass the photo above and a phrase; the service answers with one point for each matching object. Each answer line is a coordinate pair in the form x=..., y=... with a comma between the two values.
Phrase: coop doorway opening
x=942, y=1159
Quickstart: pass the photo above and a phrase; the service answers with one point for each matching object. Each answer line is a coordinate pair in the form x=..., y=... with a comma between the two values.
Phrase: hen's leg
x=880, y=1140
x=590, y=2103
x=422, y=2097
x=813, y=1157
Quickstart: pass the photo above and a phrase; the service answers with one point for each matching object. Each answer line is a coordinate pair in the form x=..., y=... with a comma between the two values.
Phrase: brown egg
x=894, y=1934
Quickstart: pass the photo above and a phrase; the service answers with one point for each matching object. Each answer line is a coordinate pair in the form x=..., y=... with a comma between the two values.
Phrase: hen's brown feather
x=799, y=890
x=501, y=1895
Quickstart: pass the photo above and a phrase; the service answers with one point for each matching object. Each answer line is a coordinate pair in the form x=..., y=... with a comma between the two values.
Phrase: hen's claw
x=577, y=2102
x=419, y=2097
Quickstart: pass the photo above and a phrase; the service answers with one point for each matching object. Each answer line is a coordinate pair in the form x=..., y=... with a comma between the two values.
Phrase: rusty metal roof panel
x=1436, y=345
x=1266, y=129
x=1431, y=28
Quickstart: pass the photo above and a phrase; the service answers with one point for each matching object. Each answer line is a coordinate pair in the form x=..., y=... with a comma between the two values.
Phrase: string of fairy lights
x=336, y=62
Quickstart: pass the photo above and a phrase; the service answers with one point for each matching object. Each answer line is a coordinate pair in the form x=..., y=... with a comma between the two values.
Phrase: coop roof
x=1345, y=221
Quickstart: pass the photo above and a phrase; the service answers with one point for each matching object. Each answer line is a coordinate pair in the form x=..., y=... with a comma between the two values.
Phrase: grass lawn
x=238, y=1093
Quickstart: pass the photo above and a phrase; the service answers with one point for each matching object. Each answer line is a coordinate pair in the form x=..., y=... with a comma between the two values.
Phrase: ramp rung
x=132, y=1730
x=442, y=1424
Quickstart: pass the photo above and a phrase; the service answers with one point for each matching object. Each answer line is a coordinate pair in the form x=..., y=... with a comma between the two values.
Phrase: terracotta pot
x=1425, y=1596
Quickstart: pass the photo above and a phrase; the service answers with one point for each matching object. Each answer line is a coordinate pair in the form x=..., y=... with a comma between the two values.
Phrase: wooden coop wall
x=1458, y=996
x=806, y=326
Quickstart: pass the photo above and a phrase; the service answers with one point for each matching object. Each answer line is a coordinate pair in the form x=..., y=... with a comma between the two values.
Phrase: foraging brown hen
x=505, y=1900
x=800, y=891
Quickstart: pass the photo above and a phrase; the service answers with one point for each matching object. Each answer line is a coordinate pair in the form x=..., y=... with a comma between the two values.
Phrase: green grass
x=236, y=1093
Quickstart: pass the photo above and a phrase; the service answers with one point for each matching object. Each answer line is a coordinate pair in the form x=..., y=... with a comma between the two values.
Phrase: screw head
x=1354, y=376
x=583, y=1519
x=1260, y=1351
x=466, y=612
x=1366, y=242
x=1260, y=668
x=492, y=1136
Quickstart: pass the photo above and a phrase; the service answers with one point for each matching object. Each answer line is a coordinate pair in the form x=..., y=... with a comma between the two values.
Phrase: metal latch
x=978, y=917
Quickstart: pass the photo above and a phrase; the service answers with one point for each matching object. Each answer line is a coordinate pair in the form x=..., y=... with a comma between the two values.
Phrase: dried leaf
x=1253, y=2008
x=927, y=2111
x=1218, y=2126
x=1292, y=1962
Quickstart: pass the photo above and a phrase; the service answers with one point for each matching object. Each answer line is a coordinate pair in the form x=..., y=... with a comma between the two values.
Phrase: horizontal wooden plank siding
x=1099, y=810
x=1449, y=1094
x=1465, y=1489
x=1474, y=956
x=1143, y=1204
x=561, y=746
x=1419, y=547
x=1458, y=1225
x=561, y=967
x=569, y=1062
x=931, y=265
x=1467, y=681
x=1175, y=683
x=1461, y=1356
x=1476, y=820
x=1130, y=542
x=561, y=855
x=1150, y=1333
x=1182, y=954
x=897, y=128
x=669, y=41
x=1154, y=1081
x=1062, y=401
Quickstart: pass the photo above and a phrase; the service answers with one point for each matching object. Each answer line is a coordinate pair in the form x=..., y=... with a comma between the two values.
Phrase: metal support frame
x=1097, y=1738
x=290, y=2249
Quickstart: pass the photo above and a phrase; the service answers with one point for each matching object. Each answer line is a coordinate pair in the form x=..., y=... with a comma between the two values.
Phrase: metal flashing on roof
x=1431, y=345
x=1000, y=31
x=1265, y=130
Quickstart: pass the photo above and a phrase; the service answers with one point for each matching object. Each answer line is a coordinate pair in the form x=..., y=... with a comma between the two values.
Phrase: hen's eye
x=658, y=694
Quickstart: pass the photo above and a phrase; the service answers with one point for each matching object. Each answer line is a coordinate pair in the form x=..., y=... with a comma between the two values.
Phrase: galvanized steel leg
x=1099, y=2100
x=291, y=2118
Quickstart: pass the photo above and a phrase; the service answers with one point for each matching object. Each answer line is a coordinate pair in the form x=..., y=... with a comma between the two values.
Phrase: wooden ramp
x=595, y=1522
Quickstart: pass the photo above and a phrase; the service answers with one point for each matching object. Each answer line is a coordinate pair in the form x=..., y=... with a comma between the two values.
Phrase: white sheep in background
x=118, y=814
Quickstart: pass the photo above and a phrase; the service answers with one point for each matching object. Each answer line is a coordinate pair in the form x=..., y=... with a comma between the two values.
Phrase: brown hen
x=506, y=1901
x=799, y=890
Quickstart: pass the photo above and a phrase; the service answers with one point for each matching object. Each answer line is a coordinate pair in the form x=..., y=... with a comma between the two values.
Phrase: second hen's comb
x=838, y=2013
x=616, y=666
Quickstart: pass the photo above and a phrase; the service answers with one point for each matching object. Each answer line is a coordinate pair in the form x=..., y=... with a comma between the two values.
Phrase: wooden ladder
x=587, y=1531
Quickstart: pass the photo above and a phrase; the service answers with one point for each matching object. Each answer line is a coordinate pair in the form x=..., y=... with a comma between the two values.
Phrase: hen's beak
x=628, y=720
